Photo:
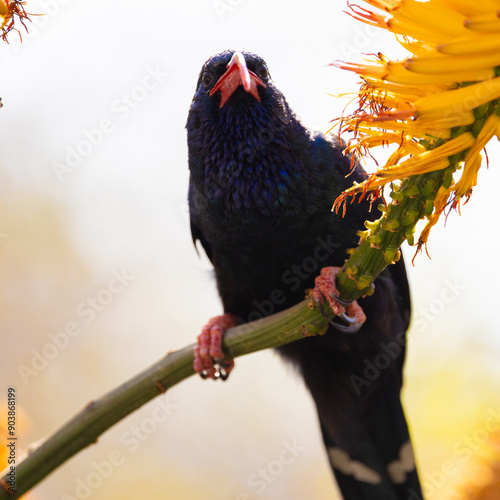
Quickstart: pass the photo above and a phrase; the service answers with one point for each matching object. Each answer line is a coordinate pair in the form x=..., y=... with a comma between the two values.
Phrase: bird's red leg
x=209, y=359
x=351, y=313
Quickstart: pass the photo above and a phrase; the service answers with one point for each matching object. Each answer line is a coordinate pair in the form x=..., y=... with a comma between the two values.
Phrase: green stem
x=380, y=244
x=379, y=247
x=86, y=426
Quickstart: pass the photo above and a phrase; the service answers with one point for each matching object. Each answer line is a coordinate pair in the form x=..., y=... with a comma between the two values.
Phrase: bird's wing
x=197, y=235
x=196, y=232
x=400, y=276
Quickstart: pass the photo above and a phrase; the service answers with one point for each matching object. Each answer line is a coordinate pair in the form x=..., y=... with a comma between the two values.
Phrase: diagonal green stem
x=379, y=247
x=380, y=244
x=86, y=426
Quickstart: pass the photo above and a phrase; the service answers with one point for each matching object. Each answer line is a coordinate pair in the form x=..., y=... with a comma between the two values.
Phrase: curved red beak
x=235, y=75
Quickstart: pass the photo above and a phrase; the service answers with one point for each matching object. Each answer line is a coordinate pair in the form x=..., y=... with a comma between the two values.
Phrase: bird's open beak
x=235, y=75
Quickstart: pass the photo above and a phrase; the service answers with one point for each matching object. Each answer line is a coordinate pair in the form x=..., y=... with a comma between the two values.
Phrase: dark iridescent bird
x=260, y=197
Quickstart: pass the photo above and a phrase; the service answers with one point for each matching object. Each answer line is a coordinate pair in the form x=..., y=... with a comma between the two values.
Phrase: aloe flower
x=438, y=107
x=9, y=11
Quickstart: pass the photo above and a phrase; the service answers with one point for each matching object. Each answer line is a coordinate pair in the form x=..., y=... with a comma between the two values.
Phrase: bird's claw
x=222, y=370
x=209, y=359
x=349, y=312
x=341, y=301
x=352, y=325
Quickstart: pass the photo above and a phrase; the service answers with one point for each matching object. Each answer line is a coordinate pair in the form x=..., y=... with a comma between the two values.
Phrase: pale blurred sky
x=130, y=69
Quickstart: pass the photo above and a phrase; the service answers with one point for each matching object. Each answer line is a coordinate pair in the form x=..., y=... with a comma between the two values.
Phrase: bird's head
x=240, y=132
x=225, y=73
x=233, y=79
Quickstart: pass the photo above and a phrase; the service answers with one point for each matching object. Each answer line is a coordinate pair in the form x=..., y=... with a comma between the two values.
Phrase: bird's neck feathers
x=250, y=158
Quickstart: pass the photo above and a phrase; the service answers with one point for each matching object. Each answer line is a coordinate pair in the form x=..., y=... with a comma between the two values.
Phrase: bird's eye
x=207, y=78
x=263, y=71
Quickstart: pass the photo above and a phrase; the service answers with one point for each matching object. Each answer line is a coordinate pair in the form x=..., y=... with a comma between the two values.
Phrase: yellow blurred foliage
x=483, y=476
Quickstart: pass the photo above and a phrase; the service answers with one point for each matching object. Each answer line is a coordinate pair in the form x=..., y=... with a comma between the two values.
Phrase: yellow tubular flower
x=439, y=205
x=468, y=8
x=479, y=43
x=430, y=16
x=469, y=64
x=489, y=22
x=462, y=99
x=439, y=107
x=400, y=73
x=473, y=159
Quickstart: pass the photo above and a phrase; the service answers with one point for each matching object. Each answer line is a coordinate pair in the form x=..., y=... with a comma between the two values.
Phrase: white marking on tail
x=406, y=463
x=343, y=462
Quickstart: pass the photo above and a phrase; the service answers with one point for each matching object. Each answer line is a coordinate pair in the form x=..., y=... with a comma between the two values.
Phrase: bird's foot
x=209, y=359
x=349, y=315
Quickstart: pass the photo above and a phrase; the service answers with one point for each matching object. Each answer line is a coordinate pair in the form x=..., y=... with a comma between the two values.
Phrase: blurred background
x=99, y=277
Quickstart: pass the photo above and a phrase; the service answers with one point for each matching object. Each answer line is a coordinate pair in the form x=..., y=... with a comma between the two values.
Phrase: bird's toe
x=349, y=315
x=209, y=359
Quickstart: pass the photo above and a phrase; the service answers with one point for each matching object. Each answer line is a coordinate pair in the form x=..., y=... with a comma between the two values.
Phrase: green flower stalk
x=438, y=108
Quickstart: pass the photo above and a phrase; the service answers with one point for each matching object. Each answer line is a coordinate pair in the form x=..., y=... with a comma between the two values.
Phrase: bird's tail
x=367, y=441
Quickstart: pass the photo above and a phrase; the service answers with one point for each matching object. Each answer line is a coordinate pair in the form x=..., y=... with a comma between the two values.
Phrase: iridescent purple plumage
x=260, y=196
